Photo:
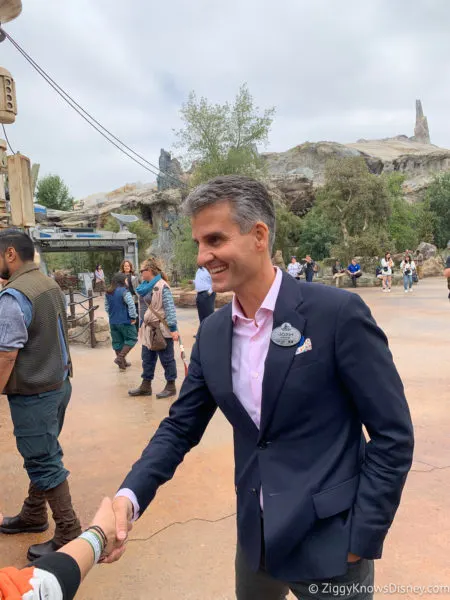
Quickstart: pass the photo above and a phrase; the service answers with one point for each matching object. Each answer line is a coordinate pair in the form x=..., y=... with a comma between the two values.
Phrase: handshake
x=114, y=518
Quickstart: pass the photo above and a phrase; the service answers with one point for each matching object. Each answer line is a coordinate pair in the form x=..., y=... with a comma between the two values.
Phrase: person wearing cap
x=294, y=268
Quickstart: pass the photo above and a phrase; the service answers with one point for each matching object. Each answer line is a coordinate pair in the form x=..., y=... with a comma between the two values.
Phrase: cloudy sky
x=334, y=71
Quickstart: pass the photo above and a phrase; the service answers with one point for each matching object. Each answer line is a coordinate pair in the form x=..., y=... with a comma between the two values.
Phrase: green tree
x=53, y=193
x=404, y=220
x=185, y=251
x=222, y=139
x=318, y=234
x=426, y=222
x=438, y=196
x=288, y=232
x=353, y=198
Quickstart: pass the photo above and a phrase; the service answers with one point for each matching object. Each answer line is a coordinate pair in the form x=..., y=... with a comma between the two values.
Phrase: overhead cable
x=118, y=143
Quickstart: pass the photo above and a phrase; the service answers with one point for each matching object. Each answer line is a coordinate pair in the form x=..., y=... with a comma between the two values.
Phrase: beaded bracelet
x=100, y=531
x=95, y=542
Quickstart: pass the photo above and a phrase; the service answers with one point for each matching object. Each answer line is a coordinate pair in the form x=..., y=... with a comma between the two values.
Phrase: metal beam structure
x=61, y=239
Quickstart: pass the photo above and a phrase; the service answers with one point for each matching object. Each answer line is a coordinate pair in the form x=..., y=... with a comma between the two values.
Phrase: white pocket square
x=305, y=347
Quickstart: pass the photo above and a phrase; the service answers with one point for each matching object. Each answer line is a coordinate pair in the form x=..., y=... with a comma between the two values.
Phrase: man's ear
x=261, y=235
x=10, y=254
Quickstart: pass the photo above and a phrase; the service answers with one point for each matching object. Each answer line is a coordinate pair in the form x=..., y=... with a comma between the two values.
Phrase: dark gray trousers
x=205, y=304
x=356, y=584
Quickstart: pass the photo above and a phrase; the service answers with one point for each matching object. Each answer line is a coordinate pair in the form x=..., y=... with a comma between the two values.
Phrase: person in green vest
x=35, y=371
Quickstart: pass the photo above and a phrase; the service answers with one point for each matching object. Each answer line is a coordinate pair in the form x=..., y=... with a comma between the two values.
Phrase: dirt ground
x=183, y=547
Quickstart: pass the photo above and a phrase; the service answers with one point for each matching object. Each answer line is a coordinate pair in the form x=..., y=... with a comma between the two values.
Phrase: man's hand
x=133, y=322
x=123, y=511
x=175, y=335
x=351, y=558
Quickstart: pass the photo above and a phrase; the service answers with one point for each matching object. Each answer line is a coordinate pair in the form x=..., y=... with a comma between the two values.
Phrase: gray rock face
x=295, y=191
x=171, y=173
x=428, y=250
x=421, y=131
x=433, y=266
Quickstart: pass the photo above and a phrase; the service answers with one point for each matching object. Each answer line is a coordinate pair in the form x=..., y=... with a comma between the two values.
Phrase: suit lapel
x=279, y=358
x=218, y=361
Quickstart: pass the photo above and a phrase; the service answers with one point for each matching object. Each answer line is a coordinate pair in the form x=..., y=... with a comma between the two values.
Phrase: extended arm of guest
x=57, y=576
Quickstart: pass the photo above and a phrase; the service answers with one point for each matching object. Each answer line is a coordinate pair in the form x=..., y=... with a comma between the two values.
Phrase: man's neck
x=252, y=296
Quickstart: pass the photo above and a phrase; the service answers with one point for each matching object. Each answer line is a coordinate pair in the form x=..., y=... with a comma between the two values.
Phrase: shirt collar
x=267, y=304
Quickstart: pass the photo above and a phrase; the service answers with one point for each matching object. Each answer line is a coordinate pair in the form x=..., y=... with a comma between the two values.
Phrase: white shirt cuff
x=127, y=493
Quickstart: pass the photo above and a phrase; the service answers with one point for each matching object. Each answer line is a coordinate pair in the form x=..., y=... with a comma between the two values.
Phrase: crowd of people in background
x=410, y=267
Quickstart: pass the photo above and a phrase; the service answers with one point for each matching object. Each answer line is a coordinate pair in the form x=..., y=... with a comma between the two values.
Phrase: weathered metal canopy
x=9, y=10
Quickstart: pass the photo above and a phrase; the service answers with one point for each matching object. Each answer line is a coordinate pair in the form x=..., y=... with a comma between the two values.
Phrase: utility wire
x=89, y=118
x=6, y=138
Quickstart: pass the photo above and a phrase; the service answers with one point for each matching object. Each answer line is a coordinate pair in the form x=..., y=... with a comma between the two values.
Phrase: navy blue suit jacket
x=326, y=491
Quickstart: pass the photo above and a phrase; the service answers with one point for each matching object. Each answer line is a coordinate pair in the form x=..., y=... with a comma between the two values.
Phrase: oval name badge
x=286, y=335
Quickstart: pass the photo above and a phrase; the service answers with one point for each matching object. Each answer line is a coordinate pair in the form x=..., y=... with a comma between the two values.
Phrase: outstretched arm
x=176, y=435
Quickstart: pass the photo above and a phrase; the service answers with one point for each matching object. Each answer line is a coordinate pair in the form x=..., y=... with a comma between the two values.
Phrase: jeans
x=38, y=421
x=167, y=358
x=407, y=281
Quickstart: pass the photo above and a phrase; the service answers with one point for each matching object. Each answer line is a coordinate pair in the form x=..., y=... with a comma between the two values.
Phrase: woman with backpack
x=408, y=267
x=119, y=305
x=158, y=330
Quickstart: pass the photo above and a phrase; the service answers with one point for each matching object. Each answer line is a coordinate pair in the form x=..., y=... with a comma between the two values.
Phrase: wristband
x=95, y=542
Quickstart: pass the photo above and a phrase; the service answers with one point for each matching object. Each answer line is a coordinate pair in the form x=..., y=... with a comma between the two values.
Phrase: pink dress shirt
x=250, y=345
x=251, y=340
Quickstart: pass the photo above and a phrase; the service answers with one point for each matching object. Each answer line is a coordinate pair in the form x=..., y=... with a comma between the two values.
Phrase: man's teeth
x=217, y=270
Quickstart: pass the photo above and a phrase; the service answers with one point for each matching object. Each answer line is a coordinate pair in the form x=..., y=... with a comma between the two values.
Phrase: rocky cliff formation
x=419, y=162
x=292, y=177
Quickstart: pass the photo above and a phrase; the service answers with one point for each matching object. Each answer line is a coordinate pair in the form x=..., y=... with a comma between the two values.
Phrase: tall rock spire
x=421, y=131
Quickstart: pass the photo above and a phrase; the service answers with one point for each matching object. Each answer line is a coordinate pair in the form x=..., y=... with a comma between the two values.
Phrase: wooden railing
x=74, y=318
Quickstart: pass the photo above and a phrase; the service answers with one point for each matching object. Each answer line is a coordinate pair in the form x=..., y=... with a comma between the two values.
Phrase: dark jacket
x=326, y=491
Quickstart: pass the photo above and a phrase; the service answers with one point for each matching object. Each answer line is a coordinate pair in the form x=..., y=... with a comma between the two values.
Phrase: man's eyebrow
x=210, y=235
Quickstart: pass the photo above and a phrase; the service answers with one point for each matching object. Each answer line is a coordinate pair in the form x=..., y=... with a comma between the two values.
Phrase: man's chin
x=221, y=287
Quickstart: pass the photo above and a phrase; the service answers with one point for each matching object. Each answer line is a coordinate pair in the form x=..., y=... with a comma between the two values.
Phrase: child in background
x=119, y=305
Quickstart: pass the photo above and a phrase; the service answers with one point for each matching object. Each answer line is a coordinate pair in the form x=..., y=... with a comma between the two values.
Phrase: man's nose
x=204, y=256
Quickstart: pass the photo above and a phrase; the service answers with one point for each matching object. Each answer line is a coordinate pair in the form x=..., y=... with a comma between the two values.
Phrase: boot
x=145, y=389
x=67, y=524
x=33, y=516
x=127, y=364
x=168, y=391
x=120, y=360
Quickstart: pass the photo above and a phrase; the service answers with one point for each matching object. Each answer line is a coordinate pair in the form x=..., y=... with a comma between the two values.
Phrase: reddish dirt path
x=106, y=430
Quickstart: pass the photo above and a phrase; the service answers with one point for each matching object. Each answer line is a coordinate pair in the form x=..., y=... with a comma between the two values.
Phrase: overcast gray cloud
x=334, y=71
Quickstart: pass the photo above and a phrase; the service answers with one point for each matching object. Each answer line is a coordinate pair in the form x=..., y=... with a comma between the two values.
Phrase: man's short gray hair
x=249, y=199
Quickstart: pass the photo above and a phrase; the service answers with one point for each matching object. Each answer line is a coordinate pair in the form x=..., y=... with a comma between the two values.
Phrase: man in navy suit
x=298, y=372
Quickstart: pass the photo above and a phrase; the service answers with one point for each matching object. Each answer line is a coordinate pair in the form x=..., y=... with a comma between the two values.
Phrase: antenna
x=124, y=220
